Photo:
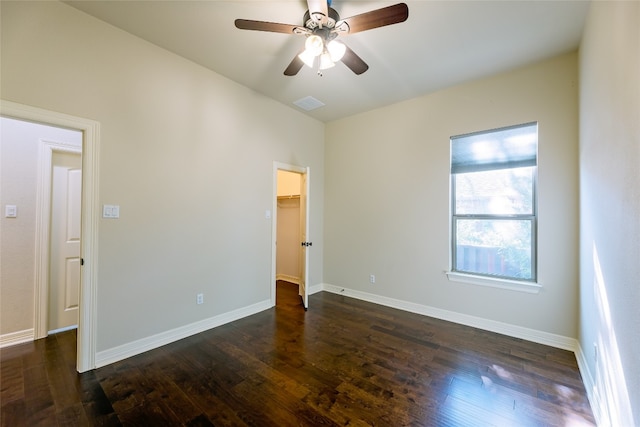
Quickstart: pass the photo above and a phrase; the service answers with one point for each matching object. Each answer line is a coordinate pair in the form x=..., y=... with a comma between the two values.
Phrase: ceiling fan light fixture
x=308, y=58
x=314, y=45
x=325, y=61
x=336, y=50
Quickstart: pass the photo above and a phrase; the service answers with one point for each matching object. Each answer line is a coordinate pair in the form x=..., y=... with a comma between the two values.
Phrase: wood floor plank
x=95, y=403
x=11, y=380
x=170, y=398
x=13, y=413
x=208, y=392
x=342, y=362
x=40, y=407
x=283, y=407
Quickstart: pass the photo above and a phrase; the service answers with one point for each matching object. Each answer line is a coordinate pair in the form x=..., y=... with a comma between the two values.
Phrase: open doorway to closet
x=290, y=233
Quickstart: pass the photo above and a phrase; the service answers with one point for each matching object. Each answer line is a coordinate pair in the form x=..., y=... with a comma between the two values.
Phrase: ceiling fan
x=321, y=26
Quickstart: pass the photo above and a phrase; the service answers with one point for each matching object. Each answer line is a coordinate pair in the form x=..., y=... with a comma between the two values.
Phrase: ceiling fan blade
x=294, y=66
x=247, y=24
x=377, y=18
x=318, y=10
x=354, y=62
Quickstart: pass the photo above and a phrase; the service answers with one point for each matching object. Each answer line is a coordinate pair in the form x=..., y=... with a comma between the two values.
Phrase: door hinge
x=81, y=261
x=306, y=244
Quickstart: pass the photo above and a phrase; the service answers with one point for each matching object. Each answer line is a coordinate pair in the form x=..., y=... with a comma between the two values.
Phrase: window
x=493, y=193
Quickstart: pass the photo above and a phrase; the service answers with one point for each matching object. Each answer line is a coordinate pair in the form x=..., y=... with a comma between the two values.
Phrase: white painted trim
x=315, y=289
x=43, y=221
x=307, y=227
x=124, y=351
x=590, y=386
x=494, y=282
x=540, y=337
x=87, y=327
x=14, y=338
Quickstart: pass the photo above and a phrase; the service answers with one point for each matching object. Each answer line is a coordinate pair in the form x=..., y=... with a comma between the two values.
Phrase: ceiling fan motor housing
x=329, y=22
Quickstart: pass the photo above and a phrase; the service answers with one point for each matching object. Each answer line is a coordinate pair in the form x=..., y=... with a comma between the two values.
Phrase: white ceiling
x=442, y=43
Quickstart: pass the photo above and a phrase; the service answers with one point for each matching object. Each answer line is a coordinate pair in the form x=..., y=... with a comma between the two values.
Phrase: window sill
x=513, y=285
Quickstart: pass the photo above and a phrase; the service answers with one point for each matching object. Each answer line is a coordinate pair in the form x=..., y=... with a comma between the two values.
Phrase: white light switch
x=110, y=211
x=267, y=214
x=11, y=211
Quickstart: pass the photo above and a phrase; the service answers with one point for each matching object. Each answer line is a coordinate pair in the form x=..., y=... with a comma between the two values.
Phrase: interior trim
x=494, y=282
x=18, y=337
x=87, y=319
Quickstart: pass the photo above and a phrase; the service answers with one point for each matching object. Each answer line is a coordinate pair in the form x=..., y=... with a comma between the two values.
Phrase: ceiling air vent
x=309, y=103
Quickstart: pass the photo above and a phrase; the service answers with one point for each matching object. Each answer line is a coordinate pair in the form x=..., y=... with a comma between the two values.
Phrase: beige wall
x=172, y=133
x=387, y=196
x=19, y=147
x=610, y=209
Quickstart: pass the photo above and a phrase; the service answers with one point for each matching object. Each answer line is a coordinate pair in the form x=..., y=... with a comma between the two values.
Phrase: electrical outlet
x=199, y=298
x=372, y=278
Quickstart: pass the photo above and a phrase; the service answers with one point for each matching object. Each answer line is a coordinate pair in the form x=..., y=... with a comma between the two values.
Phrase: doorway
x=89, y=131
x=290, y=243
x=288, y=228
x=46, y=200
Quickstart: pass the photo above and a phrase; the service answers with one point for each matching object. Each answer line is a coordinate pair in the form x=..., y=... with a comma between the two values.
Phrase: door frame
x=274, y=225
x=43, y=230
x=87, y=316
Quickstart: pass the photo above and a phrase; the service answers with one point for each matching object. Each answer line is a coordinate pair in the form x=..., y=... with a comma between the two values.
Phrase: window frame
x=510, y=282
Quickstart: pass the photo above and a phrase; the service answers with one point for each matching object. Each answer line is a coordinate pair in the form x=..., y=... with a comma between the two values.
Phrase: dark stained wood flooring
x=342, y=362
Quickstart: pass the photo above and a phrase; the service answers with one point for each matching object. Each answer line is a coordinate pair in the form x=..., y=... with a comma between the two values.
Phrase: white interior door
x=64, y=271
x=304, y=233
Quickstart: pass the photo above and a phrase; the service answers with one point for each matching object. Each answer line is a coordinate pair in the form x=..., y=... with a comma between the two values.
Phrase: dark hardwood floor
x=342, y=362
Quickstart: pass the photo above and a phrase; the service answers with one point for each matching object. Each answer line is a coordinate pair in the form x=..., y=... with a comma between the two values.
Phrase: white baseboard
x=589, y=385
x=316, y=288
x=124, y=351
x=540, y=337
x=18, y=337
